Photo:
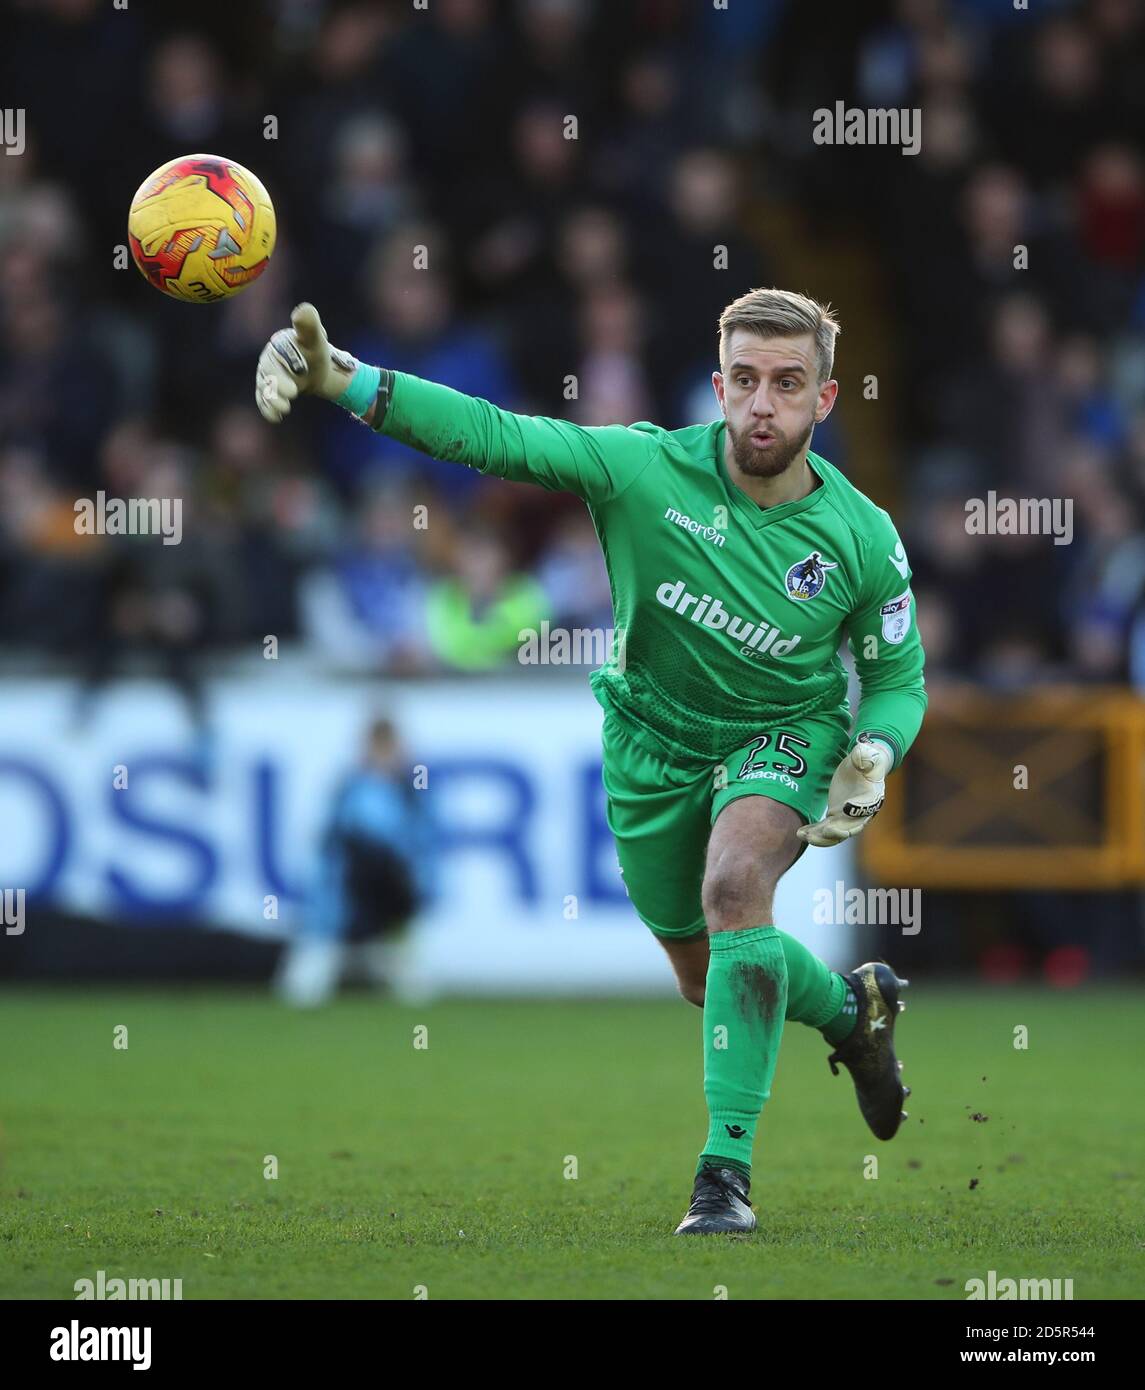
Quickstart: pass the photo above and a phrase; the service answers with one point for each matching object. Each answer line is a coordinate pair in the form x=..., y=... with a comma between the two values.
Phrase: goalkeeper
x=738, y=560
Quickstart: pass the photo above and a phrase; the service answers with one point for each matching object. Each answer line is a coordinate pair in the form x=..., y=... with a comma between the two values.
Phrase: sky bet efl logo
x=758, y=638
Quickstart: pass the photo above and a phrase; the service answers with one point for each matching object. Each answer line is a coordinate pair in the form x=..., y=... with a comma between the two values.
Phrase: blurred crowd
x=1016, y=242
x=550, y=258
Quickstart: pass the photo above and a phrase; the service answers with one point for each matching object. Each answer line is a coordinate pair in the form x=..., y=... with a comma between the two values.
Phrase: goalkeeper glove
x=856, y=794
x=300, y=361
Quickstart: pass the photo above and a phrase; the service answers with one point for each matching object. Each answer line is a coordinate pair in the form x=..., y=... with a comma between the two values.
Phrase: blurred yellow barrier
x=1039, y=790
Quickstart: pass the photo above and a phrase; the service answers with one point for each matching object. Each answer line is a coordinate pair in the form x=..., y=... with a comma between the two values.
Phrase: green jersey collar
x=751, y=511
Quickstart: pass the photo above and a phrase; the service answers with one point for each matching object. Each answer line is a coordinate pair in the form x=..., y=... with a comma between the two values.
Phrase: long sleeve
x=888, y=652
x=593, y=462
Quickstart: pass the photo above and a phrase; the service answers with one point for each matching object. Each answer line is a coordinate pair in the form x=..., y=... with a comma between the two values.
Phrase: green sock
x=841, y=1027
x=816, y=995
x=744, y=1001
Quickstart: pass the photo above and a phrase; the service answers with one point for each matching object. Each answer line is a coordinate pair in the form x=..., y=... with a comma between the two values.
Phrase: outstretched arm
x=594, y=462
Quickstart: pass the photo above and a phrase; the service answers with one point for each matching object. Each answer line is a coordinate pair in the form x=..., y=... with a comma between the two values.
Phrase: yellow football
x=201, y=228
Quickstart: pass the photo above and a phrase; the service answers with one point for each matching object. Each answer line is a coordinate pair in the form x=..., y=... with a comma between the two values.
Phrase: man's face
x=771, y=398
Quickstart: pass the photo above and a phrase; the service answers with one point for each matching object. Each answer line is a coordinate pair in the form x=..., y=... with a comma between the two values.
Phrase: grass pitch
x=445, y=1167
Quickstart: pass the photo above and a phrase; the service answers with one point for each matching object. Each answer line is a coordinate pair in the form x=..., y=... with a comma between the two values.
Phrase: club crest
x=806, y=578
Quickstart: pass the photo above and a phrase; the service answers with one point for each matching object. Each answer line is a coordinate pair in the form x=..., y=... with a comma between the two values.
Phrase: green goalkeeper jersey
x=728, y=616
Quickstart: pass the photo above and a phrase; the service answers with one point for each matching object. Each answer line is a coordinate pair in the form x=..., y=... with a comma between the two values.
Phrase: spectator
x=374, y=873
x=474, y=617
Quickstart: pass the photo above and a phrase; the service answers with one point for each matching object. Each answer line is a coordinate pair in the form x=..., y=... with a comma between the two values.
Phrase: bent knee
x=737, y=894
x=692, y=991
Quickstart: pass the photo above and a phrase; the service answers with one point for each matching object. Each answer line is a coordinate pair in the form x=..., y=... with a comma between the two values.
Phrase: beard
x=777, y=458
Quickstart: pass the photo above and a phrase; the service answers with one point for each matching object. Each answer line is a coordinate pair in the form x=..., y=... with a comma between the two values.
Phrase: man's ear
x=827, y=396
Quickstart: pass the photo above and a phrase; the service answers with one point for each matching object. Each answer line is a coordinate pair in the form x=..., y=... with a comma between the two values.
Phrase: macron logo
x=709, y=612
x=695, y=528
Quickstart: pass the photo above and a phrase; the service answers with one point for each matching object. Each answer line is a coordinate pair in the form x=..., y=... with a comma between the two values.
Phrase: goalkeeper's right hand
x=300, y=360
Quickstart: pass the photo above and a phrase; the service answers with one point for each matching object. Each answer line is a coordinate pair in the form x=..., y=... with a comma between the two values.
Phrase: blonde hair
x=783, y=314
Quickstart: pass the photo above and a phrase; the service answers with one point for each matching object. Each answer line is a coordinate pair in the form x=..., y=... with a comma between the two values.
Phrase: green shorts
x=661, y=816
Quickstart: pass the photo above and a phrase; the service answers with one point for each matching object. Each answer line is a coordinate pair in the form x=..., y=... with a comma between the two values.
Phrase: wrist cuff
x=382, y=400
x=363, y=388
x=887, y=740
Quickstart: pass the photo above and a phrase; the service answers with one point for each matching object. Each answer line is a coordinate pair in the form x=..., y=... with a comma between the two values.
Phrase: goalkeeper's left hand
x=856, y=794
